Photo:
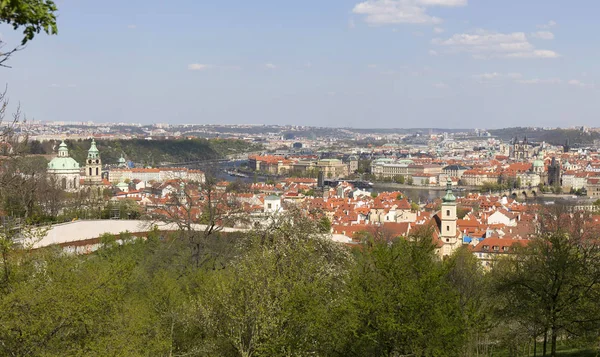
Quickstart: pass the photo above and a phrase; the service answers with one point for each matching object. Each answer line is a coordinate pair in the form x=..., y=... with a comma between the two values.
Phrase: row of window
x=496, y=248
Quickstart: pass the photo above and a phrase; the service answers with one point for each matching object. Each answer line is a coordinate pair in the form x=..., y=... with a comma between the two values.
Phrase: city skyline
x=376, y=63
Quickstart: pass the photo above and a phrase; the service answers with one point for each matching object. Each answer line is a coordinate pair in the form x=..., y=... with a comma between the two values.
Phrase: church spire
x=93, y=152
x=449, y=197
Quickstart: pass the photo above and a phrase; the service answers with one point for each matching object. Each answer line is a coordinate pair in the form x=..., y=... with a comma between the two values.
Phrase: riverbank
x=398, y=186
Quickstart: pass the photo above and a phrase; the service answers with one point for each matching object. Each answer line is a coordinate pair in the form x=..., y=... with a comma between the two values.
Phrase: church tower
x=449, y=236
x=93, y=166
x=449, y=218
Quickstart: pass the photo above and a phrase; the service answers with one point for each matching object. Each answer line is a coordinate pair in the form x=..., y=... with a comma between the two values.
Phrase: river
x=416, y=194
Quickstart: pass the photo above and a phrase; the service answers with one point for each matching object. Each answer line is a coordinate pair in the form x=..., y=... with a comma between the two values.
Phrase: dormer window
x=486, y=247
x=496, y=248
x=505, y=249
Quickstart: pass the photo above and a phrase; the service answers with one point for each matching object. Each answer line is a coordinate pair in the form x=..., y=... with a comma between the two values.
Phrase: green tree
x=33, y=16
x=402, y=304
x=324, y=225
x=280, y=298
x=551, y=285
x=414, y=207
x=465, y=274
x=399, y=179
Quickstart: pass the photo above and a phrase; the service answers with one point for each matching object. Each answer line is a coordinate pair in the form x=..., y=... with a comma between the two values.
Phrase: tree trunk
x=545, y=340
x=553, y=350
x=534, y=346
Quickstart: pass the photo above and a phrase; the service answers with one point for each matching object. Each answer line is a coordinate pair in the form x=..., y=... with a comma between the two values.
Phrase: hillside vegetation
x=151, y=152
x=554, y=136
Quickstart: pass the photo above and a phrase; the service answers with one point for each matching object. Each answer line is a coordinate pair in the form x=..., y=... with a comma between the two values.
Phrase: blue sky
x=371, y=63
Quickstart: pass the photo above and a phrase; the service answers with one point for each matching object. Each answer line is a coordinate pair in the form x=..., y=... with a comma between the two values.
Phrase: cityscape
x=354, y=178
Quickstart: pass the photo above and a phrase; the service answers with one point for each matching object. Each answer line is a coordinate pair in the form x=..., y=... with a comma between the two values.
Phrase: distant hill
x=554, y=136
x=150, y=152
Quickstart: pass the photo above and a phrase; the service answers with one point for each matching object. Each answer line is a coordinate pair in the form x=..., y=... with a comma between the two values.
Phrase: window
x=505, y=249
x=486, y=247
x=268, y=205
x=447, y=228
x=495, y=248
x=447, y=212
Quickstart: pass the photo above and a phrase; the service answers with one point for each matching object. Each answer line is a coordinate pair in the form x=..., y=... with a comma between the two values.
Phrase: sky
x=337, y=63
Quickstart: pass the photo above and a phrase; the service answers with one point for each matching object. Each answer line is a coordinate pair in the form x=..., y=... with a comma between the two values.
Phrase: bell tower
x=448, y=216
x=93, y=166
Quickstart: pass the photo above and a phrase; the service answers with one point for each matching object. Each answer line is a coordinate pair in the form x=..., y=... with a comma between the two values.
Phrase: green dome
x=538, y=163
x=63, y=163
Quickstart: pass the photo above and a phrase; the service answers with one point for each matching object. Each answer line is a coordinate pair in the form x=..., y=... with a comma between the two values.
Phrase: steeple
x=449, y=197
x=93, y=152
x=93, y=167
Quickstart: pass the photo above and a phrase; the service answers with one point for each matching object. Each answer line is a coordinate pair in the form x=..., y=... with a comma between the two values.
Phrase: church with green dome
x=64, y=169
x=67, y=173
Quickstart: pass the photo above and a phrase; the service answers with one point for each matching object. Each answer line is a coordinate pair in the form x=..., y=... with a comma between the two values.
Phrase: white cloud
x=131, y=26
x=544, y=35
x=534, y=54
x=548, y=25
x=578, y=83
x=491, y=76
x=438, y=30
x=433, y=53
x=383, y=12
x=483, y=44
x=488, y=76
x=539, y=81
x=199, y=67
x=270, y=66
x=440, y=85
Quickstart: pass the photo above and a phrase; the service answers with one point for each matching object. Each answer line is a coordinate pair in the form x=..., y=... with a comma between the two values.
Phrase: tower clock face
x=89, y=161
x=97, y=161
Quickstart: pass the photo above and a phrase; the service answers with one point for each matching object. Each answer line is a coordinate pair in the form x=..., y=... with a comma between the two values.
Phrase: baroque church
x=69, y=176
x=520, y=150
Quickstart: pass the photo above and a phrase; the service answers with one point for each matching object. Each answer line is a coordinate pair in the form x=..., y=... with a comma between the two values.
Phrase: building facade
x=64, y=170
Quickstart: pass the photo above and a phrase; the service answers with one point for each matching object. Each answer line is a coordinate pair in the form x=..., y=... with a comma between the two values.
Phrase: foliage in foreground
x=283, y=290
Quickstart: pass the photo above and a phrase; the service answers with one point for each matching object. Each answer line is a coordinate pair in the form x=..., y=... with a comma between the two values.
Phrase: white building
x=272, y=204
